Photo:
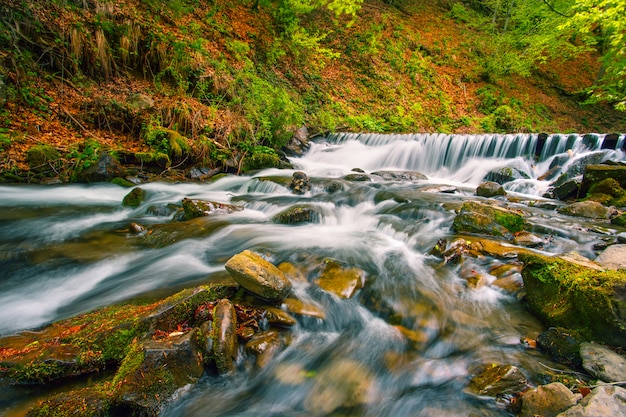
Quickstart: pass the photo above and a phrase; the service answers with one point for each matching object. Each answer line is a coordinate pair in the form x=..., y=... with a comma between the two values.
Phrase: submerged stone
x=193, y=208
x=562, y=345
x=339, y=280
x=498, y=380
x=258, y=276
x=400, y=175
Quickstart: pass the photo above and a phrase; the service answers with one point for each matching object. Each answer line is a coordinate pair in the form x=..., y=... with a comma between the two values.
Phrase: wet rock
x=357, y=177
x=299, y=142
x=299, y=307
x=562, y=345
x=498, y=380
x=160, y=211
x=224, y=336
x=602, y=401
x=613, y=257
x=193, y=208
x=570, y=295
x=443, y=189
x=588, y=209
x=152, y=372
x=400, y=175
x=490, y=189
x=134, y=198
x=339, y=280
x=137, y=229
x=596, y=173
x=567, y=189
x=342, y=383
x=547, y=400
x=527, y=239
x=301, y=213
x=265, y=346
x=93, y=401
x=203, y=173
x=258, y=276
x=292, y=272
x=603, y=363
x=503, y=175
x=485, y=219
x=278, y=317
x=333, y=187
x=104, y=170
x=300, y=183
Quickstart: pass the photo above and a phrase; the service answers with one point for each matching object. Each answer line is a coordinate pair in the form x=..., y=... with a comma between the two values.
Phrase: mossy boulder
x=300, y=213
x=587, y=209
x=503, y=175
x=134, y=198
x=41, y=155
x=104, y=170
x=93, y=401
x=153, y=370
x=193, y=208
x=570, y=295
x=597, y=173
x=487, y=219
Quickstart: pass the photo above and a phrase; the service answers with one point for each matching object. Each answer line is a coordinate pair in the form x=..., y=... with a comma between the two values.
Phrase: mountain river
x=66, y=249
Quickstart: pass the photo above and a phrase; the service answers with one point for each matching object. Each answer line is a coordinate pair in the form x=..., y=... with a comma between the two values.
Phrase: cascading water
x=404, y=345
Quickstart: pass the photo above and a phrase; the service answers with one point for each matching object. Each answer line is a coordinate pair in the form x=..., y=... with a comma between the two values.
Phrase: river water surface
x=66, y=249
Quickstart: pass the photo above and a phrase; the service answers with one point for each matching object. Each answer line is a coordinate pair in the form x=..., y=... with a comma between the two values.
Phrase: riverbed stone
x=300, y=213
x=339, y=280
x=588, y=209
x=193, y=208
x=300, y=183
x=506, y=174
x=603, y=363
x=301, y=308
x=487, y=219
x=343, y=383
x=570, y=295
x=278, y=317
x=603, y=401
x=400, y=175
x=547, y=400
x=498, y=380
x=562, y=345
x=258, y=276
x=527, y=239
x=264, y=346
x=153, y=371
x=224, y=336
x=595, y=173
x=134, y=198
x=613, y=257
x=490, y=189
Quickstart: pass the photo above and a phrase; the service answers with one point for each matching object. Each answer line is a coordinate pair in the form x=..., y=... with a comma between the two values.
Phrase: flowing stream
x=67, y=249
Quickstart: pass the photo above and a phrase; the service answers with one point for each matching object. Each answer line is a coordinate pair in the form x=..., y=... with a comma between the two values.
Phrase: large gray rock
x=603, y=363
x=547, y=400
x=193, y=208
x=258, y=276
x=400, y=175
x=598, y=172
x=613, y=257
x=603, y=401
x=503, y=175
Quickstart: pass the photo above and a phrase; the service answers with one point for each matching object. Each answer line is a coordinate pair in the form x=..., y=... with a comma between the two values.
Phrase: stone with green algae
x=575, y=296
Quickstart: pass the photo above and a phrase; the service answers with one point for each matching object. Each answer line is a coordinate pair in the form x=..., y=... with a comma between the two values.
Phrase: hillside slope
x=222, y=84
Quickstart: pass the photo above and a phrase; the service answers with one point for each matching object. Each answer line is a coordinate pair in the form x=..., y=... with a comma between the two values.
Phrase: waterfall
x=462, y=159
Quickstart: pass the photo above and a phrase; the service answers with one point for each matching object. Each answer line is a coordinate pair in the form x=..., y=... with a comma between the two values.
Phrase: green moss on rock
x=573, y=296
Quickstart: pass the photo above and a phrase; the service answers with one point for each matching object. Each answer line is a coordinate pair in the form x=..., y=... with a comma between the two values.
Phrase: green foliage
x=603, y=23
x=164, y=140
x=84, y=156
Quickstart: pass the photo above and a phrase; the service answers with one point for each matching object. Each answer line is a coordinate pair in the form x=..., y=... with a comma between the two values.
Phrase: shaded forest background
x=226, y=84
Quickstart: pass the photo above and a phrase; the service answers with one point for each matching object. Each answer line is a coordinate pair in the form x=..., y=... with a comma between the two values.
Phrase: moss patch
x=569, y=295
